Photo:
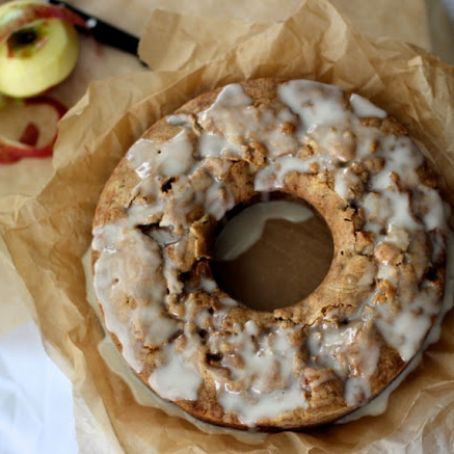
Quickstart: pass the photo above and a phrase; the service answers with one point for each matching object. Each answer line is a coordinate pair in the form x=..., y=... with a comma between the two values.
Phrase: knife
x=103, y=32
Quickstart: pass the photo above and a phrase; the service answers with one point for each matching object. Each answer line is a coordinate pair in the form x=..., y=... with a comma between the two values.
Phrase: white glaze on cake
x=397, y=209
x=124, y=268
x=378, y=405
x=364, y=108
x=274, y=354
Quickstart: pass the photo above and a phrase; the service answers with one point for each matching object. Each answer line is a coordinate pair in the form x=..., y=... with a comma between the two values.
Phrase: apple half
x=39, y=48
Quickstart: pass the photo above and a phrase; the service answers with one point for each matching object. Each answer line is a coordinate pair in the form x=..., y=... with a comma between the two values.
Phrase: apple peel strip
x=12, y=151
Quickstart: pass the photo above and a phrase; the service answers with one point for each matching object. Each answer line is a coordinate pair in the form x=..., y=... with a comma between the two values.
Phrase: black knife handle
x=104, y=32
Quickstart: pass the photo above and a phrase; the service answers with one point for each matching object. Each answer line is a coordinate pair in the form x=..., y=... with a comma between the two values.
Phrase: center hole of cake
x=272, y=254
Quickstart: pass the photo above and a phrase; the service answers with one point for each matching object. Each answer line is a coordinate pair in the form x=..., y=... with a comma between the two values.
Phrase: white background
x=36, y=409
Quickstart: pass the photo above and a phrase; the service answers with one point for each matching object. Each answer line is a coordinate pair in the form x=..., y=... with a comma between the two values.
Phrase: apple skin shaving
x=12, y=151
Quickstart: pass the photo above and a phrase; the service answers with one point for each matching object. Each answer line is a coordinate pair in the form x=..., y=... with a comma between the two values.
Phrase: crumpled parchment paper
x=49, y=234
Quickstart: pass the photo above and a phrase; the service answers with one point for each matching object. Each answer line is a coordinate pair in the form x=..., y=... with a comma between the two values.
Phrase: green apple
x=36, y=56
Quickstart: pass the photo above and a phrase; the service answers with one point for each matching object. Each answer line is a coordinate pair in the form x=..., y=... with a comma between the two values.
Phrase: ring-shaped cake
x=324, y=356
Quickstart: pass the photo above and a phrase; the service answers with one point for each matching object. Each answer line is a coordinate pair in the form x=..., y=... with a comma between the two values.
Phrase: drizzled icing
x=268, y=395
x=178, y=378
x=378, y=405
x=363, y=108
x=184, y=333
x=124, y=269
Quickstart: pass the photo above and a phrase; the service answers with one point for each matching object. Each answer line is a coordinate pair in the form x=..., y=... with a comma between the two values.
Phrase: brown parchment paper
x=49, y=234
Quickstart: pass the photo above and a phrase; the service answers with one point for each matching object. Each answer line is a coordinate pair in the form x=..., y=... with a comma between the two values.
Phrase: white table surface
x=36, y=407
